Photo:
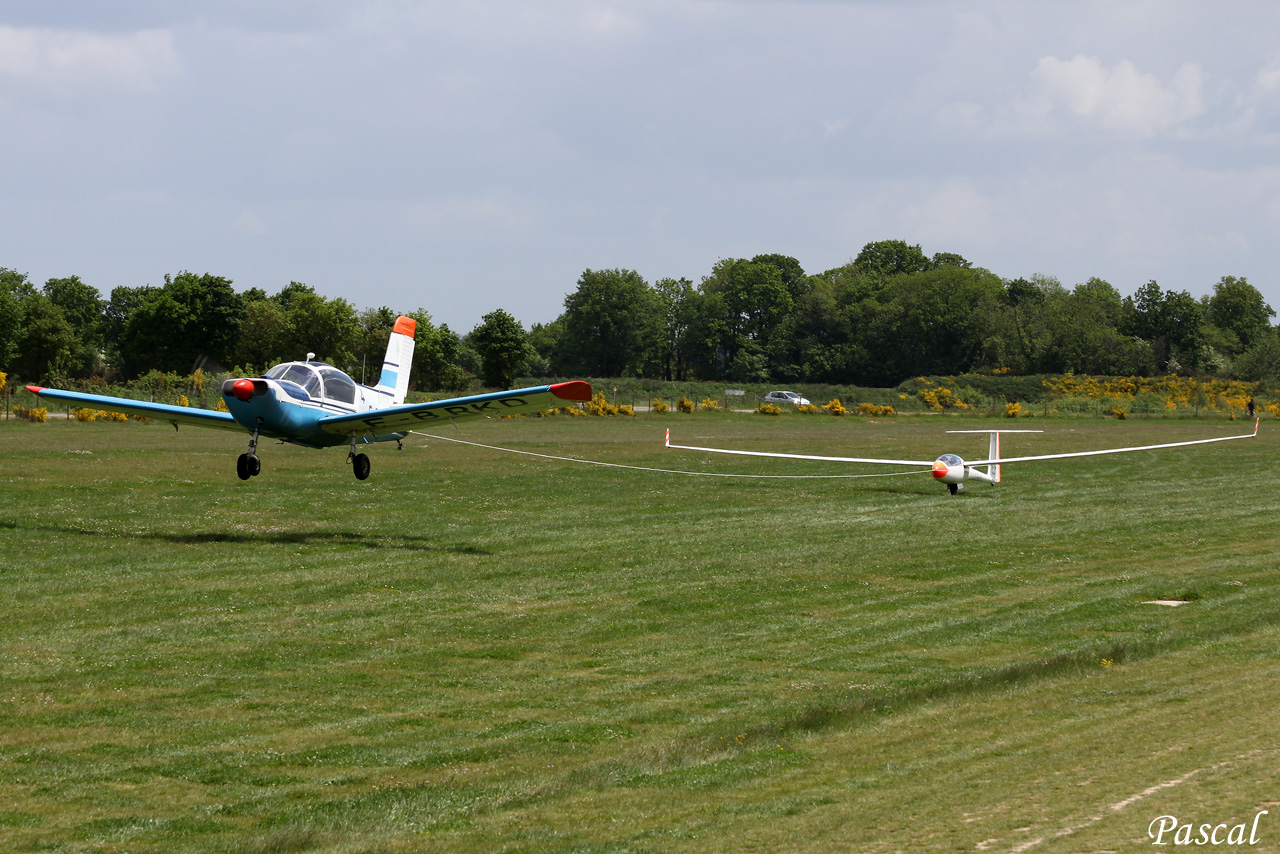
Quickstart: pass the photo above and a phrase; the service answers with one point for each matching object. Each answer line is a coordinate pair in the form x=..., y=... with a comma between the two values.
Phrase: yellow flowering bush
x=835, y=407
x=684, y=404
x=808, y=409
x=1012, y=410
x=769, y=409
x=708, y=403
x=875, y=410
x=657, y=405
x=98, y=415
x=1172, y=392
x=599, y=405
x=33, y=413
x=939, y=397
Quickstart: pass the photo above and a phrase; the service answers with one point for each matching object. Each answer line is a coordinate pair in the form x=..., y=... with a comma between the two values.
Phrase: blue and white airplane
x=318, y=406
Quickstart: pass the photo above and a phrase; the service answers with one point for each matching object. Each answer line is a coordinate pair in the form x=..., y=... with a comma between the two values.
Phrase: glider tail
x=395, y=367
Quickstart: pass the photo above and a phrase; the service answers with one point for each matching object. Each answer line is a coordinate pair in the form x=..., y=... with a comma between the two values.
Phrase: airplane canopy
x=307, y=380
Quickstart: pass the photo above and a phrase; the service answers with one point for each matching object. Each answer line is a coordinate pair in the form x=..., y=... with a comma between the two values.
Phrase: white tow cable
x=668, y=471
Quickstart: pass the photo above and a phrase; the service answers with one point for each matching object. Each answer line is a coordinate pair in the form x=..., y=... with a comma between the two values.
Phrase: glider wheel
x=360, y=464
x=954, y=487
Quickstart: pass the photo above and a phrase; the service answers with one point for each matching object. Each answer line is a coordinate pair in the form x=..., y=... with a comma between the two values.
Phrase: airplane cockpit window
x=303, y=375
x=338, y=386
x=950, y=459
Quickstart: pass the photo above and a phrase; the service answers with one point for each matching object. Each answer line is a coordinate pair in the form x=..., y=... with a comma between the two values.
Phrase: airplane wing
x=925, y=463
x=1004, y=460
x=396, y=419
x=175, y=415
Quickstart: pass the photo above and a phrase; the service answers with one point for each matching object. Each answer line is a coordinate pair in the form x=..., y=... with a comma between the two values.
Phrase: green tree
x=610, y=323
x=500, y=341
x=754, y=304
x=892, y=258
x=14, y=289
x=675, y=311
x=82, y=306
x=1239, y=308
x=436, y=354
x=327, y=327
x=46, y=344
x=174, y=326
x=264, y=334
x=374, y=327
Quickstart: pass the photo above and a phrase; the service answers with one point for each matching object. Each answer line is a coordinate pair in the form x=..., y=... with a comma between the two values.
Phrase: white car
x=785, y=397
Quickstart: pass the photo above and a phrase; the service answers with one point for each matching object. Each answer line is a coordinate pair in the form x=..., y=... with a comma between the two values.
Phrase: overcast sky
x=462, y=157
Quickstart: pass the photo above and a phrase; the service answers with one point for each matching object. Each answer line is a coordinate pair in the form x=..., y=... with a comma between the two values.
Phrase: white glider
x=954, y=471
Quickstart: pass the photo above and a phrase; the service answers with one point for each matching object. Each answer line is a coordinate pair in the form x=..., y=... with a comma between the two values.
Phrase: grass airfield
x=479, y=651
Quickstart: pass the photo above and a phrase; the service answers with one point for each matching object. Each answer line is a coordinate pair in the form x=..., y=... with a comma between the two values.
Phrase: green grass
x=479, y=651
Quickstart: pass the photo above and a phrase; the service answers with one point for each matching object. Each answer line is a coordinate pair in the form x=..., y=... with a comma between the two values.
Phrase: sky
x=461, y=157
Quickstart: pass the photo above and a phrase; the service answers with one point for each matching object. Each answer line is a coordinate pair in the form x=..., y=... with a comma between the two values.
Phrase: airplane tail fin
x=395, y=367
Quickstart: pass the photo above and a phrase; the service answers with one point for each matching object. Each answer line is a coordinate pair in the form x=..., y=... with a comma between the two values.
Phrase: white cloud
x=249, y=223
x=957, y=214
x=76, y=58
x=1119, y=99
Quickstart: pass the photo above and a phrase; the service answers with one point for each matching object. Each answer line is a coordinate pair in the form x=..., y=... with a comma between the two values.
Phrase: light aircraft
x=317, y=406
x=952, y=470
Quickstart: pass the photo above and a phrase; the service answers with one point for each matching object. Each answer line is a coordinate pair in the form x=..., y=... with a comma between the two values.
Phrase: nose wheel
x=248, y=465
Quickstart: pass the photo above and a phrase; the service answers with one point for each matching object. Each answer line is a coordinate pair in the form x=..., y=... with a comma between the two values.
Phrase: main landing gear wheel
x=248, y=465
x=360, y=465
x=954, y=487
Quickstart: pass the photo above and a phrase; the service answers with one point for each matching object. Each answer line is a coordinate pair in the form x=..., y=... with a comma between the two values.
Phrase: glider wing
x=1004, y=460
x=175, y=415
x=396, y=419
x=925, y=463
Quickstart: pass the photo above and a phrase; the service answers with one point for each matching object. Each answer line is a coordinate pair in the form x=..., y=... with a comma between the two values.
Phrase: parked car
x=785, y=397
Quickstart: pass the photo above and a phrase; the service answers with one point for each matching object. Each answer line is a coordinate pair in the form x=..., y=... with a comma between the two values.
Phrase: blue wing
x=175, y=415
x=399, y=418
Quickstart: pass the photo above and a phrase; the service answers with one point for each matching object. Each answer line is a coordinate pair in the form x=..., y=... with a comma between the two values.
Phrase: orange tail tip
x=405, y=326
x=668, y=441
x=574, y=390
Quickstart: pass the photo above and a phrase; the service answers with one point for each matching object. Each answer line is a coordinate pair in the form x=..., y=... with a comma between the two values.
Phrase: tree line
x=891, y=313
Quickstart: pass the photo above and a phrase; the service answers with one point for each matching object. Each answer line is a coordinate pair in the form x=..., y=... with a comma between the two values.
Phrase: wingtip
x=573, y=390
x=35, y=389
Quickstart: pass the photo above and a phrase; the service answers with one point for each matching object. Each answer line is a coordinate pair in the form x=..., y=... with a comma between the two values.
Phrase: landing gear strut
x=248, y=465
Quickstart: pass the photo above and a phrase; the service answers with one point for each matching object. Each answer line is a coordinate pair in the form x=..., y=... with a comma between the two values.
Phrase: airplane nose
x=243, y=390
x=940, y=469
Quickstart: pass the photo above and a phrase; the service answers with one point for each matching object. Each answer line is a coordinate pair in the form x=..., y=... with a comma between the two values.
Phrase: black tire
x=243, y=468
x=255, y=465
x=360, y=465
x=954, y=487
